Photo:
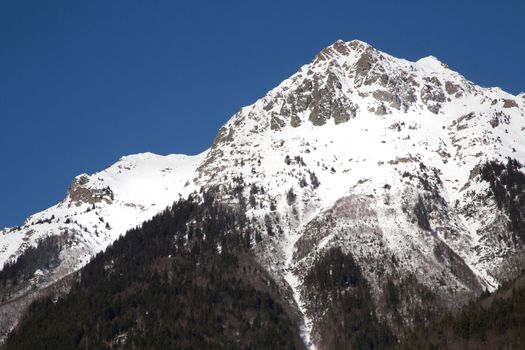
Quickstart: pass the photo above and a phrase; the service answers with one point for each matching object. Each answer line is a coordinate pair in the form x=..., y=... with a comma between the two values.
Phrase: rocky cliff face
x=377, y=156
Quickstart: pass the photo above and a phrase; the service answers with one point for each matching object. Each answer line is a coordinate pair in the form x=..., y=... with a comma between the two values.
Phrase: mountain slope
x=97, y=210
x=380, y=156
x=374, y=155
x=166, y=286
x=491, y=322
x=102, y=206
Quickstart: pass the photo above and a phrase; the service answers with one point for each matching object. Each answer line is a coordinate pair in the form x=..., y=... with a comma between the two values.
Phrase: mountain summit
x=407, y=167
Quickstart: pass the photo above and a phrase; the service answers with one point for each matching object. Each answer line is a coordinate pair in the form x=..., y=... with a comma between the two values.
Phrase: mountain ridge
x=358, y=149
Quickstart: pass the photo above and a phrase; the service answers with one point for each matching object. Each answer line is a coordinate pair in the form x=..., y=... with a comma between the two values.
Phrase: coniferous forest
x=507, y=185
x=494, y=321
x=183, y=280
x=337, y=289
x=187, y=279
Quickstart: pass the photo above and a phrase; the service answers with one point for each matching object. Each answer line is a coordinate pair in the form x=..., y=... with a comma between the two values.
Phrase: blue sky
x=83, y=83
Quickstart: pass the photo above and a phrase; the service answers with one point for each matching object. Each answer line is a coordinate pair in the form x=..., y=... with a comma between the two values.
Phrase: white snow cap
x=431, y=63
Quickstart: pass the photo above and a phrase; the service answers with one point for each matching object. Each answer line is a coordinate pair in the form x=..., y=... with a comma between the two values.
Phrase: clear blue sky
x=83, y=83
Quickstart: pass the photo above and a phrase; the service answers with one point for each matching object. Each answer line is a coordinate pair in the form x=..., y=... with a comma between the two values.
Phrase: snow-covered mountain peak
x=349, y=78
x=352, y=79
x=432, y=63
x=136, y=179
x=358, y=149
x=342, y=49
x=98, y=208
x=357, y=126
x=359, y=57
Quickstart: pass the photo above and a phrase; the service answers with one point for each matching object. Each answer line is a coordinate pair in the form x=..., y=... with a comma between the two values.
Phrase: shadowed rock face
x=329, y=103
x=509, y=103
x=453, y=89
x=320, y=94
x=339, y=48
x=364, y=66
x=324, y=91
x=79, y=193
x=432, y=95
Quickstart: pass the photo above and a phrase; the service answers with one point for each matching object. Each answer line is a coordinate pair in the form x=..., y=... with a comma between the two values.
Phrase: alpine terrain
x=369, y=194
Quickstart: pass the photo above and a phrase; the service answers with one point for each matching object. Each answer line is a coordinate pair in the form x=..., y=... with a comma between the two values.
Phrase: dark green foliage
x=166, y=286
x=337, y=290
x=409, y=302
x=303, y=183
x=46, y=221
x=507, y=184
x=492, y=322
x=421, y=213
x=392, y=294
x=43, y=256
x=334, y=271
x=252, y=200
x=314, y=180
x=291, y=196
x=253, y=191
x=299, y=160
x=268, y=225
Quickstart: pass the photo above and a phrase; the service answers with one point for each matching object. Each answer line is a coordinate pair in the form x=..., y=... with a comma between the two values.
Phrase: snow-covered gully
x=293, y=281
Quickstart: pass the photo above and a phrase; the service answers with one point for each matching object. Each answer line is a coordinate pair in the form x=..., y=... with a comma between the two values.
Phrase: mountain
x=493, y=321
x=165, y=285
x=362, y=175
x=97, y=210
